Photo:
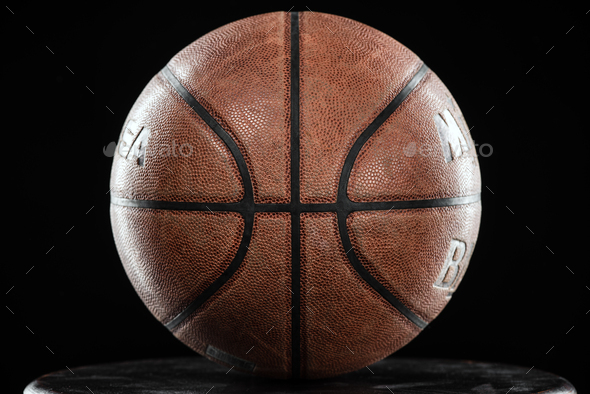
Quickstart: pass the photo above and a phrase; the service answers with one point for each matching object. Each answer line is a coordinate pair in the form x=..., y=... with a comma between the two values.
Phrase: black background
x=518, y=299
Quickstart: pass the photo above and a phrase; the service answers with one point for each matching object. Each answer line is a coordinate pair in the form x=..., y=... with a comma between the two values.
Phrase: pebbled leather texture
x=250, y=316
x=349, y=73
x=208, y=174
x=406, y=250
x=345, y=324
x=170, y=257
x=240, y=73
x=403, y=160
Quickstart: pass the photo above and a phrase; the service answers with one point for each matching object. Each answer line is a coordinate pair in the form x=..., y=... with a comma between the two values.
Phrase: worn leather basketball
x=295, y=195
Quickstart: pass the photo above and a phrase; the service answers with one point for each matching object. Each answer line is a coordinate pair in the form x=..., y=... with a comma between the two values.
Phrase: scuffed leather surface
x=349, y=74
x=170, y=257
x=253, y=307
x=345, y=324
x=405, y=250
x=404, y=160
x=208, y=174
x=240, y=73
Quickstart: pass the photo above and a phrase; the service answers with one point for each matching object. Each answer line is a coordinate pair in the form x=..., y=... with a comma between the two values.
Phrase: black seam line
x=343, y=205
x=247, y=202
x=329, y=207
x=345, y=202
x=295, y=203
x=372, y=128
x=216, y=127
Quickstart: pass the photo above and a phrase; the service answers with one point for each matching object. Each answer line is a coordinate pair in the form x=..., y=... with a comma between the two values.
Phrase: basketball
x=295, y=195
